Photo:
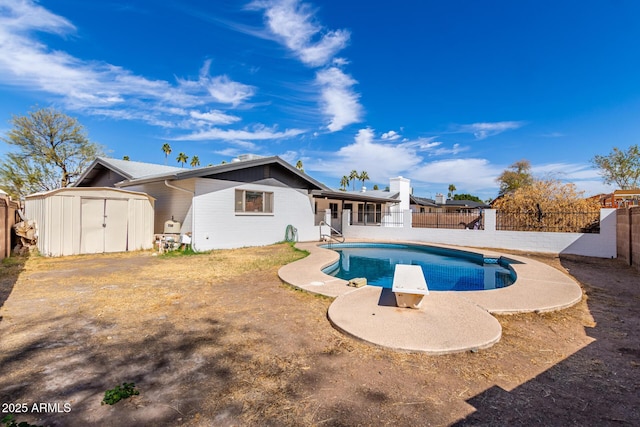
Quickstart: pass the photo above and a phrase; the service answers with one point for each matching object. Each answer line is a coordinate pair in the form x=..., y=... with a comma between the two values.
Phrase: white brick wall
x=217, y=226
x=602, y=245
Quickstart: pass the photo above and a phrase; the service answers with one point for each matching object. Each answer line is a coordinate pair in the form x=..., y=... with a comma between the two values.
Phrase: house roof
x=422, y=201
x=135, y=173
x=374, y=196
x=125, y=168
x=466, y=203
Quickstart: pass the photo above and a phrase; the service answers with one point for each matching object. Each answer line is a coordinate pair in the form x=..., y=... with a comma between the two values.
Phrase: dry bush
x=547, y=205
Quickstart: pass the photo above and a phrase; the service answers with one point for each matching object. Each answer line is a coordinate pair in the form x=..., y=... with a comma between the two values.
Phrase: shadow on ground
x=204, y=348
x=10, y=269
x=599, y=384
x=75, y=362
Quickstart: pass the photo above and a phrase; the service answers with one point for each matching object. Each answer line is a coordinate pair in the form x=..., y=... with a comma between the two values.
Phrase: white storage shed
x=80, y=220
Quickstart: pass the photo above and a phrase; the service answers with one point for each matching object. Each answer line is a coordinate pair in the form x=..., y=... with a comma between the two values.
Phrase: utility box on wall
x=81, y=220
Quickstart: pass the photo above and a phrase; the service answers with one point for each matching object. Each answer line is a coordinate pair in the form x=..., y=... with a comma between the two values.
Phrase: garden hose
x=291, y=234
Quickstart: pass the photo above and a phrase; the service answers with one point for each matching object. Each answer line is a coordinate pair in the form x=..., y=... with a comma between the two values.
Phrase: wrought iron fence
x=548, y=221
x=473, y=220
x=385, y=218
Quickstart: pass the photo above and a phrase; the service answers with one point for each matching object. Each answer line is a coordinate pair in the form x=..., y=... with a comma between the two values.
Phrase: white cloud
x=383, y=159
x=259, y=133
x=380, y=158
x=468, y=175
x=392, y=135
x=339, y=101
x=224, y=90
x=216, y=117
x=23, y=15
x=568, y=172
x=485, y=130
x=293, y=23
x=290, y=156
x=97, y=87
x=455, y=149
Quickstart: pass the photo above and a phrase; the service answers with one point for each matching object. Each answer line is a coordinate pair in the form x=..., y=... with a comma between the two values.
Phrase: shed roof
x=89, y=191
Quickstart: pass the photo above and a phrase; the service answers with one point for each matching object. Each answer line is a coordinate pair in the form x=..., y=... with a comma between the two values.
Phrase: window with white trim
x=248, y=201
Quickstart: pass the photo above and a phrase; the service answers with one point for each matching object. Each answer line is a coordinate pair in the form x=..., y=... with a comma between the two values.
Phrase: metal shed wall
x=82, y=220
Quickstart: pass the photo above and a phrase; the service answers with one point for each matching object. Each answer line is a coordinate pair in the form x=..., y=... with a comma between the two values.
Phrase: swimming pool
x=444, y=269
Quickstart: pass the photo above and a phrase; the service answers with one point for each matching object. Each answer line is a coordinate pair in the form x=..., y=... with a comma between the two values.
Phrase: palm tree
x=167, y=150
x=353, y=177
x=344, y=182
x=299, y=166
x=363, y=177
x=452, y=188
x=195, y=161
x=182, y=158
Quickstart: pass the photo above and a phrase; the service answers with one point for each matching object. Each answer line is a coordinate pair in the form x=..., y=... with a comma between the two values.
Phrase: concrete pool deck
x=447, y=321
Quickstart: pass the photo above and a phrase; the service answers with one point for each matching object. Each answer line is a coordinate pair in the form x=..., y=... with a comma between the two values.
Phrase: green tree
x=620, y=167
x=167, y=150
x=353, y=177
x=364, y=176
x=182, y=159
x=195, y=161
x=126, y=158
x=299, y=166
x=452, y=188
x=467, y=197
x=52, y=151
x=515, y=176
x=344, y=182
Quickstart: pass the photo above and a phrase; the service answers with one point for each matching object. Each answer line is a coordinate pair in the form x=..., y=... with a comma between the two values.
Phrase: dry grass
x=216, y=339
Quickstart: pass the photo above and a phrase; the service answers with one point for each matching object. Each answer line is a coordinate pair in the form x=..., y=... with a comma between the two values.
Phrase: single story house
x=440, y=204
x=619, y=198
x=248, y=202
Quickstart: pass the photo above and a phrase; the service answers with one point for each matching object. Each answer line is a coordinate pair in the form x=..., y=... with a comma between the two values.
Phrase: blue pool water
x=444, y=269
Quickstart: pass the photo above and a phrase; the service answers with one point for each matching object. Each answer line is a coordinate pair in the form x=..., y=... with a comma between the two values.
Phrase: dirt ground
x=218, y=340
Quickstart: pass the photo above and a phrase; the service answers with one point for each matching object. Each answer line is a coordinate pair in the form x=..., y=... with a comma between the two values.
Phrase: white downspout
x=193, y=211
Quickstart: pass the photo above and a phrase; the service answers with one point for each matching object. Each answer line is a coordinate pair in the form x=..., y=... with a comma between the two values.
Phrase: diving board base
x=409, y=286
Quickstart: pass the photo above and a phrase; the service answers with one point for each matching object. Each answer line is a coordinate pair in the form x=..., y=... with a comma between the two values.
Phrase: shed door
x=104, y=225
x=92, y=231
x=115, y=232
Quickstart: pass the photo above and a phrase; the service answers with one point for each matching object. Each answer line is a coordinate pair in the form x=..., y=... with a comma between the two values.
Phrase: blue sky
x=441, y=92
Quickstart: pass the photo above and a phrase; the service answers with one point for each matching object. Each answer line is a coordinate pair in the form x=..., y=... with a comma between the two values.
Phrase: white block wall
x=169, y=203
x=217, y=226
x=602, y=245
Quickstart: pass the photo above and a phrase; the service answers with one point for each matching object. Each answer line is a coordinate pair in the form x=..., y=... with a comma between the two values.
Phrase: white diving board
x=409, y=285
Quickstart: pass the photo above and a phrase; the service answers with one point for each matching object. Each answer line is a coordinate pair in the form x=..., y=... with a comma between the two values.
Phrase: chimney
x=403, y=186
x=440, y=199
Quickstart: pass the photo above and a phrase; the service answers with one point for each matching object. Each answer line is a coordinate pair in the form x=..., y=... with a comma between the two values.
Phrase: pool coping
x=447, y=321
